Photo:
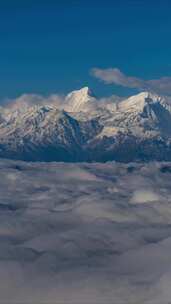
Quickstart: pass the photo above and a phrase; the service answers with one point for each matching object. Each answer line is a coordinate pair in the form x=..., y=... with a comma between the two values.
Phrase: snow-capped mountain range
x=83, y=128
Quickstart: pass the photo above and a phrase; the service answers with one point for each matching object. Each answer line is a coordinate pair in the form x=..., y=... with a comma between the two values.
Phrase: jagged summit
x=137, y=102
x=85, y=91
x=78, y=99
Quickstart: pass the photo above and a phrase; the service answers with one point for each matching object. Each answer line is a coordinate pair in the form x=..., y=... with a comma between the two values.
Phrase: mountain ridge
x=83, y=128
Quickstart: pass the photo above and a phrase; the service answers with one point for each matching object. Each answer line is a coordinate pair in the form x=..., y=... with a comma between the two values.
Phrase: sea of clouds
x=85, y=233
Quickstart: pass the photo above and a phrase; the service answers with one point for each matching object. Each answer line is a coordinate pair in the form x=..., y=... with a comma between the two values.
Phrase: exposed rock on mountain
x=87, y=129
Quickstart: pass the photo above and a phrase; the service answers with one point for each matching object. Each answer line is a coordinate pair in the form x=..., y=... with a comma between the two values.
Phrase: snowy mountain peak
x=85, y=91
x=81, y=93
x=139, y=101
x=149, y=97
x=77, y=100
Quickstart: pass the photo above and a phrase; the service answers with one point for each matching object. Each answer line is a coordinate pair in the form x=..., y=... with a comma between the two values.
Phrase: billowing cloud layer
x=115, y=76
x=85, y=233
x=27, y=100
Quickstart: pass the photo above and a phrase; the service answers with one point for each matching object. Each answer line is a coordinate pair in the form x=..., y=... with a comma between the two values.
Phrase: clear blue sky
x=50, y=46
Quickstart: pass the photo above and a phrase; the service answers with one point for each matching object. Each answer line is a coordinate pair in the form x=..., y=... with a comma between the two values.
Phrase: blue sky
x=51, y=46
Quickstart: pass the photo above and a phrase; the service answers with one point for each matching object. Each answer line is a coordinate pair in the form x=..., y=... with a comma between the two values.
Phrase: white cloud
x=117, y=77
x=27, y=100
x=69, y=232
x=144, y=196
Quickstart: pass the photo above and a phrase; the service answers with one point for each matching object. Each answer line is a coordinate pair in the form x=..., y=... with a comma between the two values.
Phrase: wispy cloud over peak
x=114, y=75
x=117, y=77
